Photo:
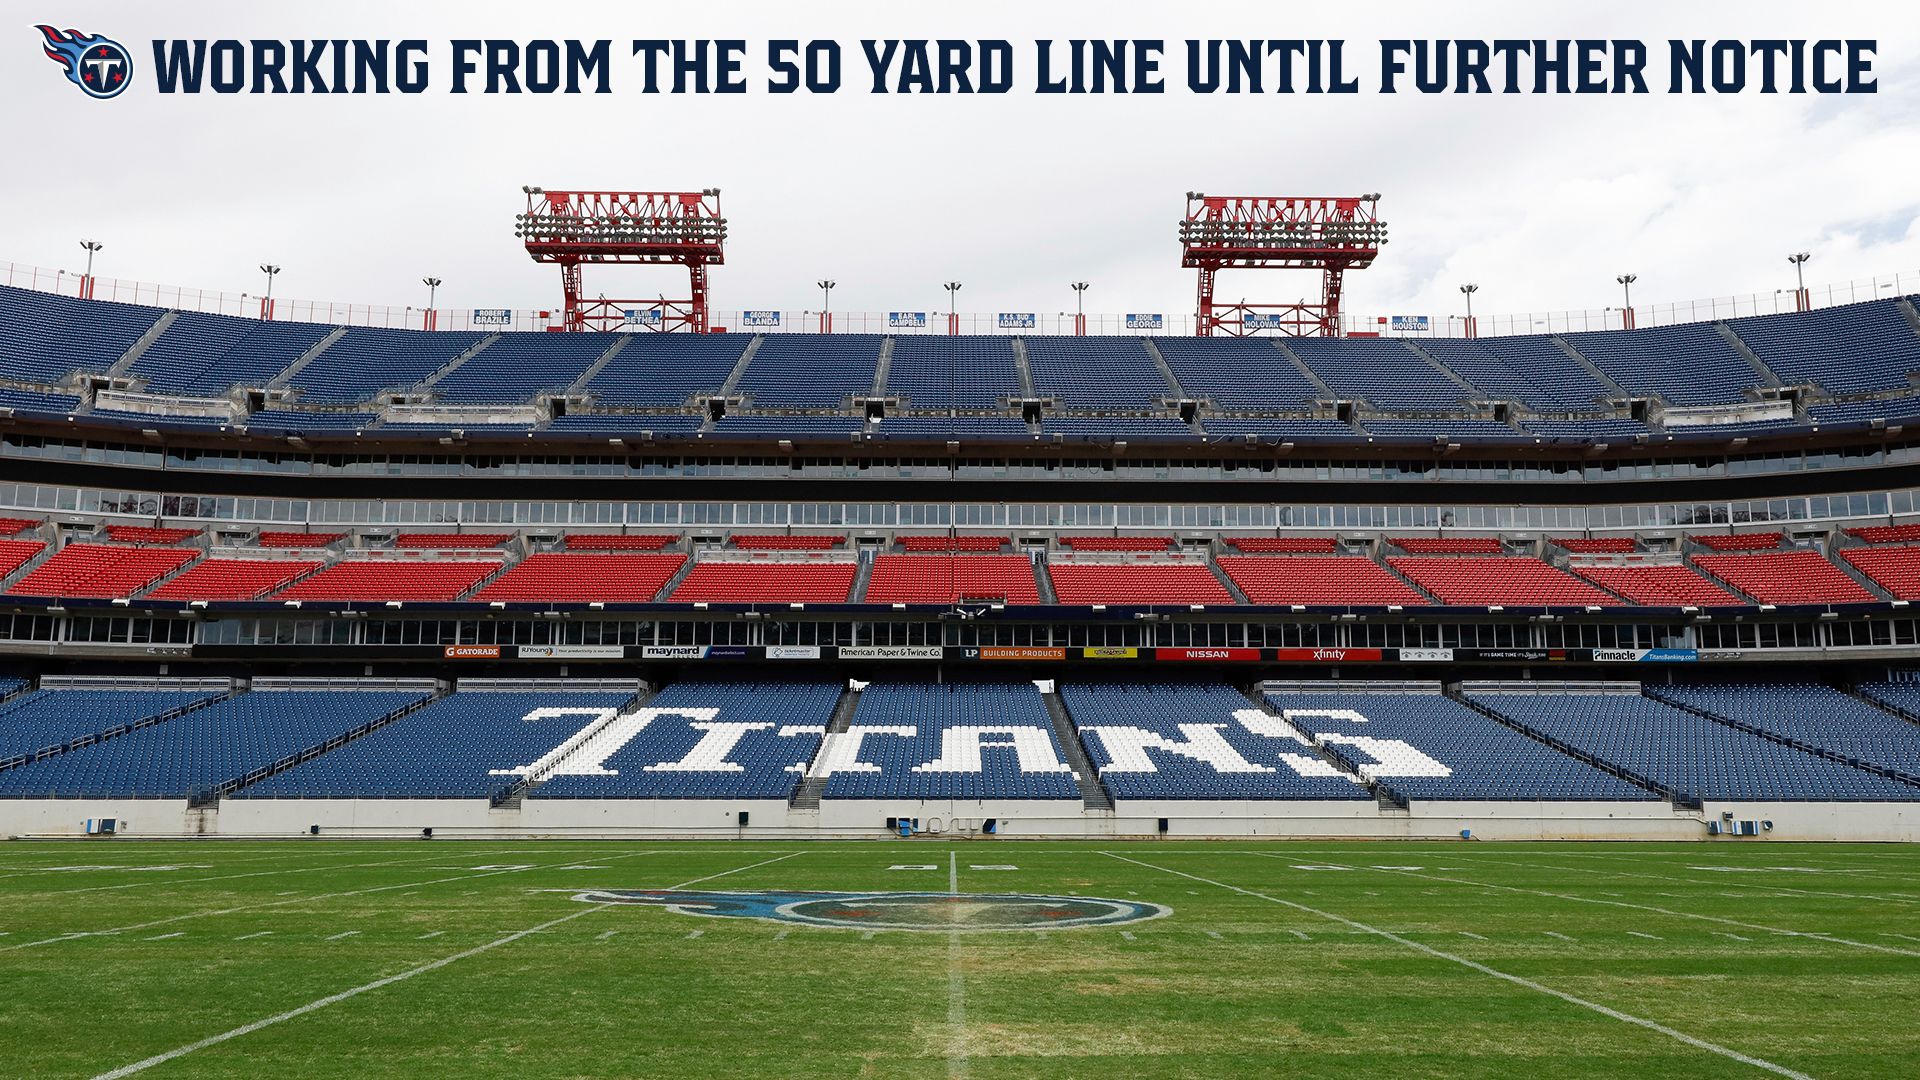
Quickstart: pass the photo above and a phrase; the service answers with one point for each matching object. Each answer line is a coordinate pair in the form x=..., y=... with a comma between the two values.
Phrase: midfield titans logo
x=98, y=66
x=894, y=911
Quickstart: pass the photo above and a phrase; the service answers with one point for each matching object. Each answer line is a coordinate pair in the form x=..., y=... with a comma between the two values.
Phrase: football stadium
x=634, y=683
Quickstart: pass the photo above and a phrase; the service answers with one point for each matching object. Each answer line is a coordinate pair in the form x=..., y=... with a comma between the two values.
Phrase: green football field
x=521, y=959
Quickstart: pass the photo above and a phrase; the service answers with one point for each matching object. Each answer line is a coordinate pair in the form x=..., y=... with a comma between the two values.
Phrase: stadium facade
x=268, y=578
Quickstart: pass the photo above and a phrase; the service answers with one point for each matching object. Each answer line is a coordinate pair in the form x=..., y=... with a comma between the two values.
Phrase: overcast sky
x=1540, y=200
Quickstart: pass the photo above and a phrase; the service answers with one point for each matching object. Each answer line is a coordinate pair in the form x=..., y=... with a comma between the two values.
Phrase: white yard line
x=1651, y=1025
x=1810, y=935
x=957, y=1065
x=1889, y=898
x=434, y=965
x=282, y=903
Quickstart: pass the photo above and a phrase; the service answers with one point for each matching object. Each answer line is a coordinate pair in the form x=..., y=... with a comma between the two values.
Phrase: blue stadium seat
x=968, y=740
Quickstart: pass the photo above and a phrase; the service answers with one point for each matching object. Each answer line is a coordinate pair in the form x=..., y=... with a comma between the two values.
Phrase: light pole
x=429, y=320
x=1799, y=261
x=86, y=283
x=826, y=304
x=953, y=317
x=1468, y=290
x=1626, y=286
x=953, y=413
x=266, y=302
x=1079, y=307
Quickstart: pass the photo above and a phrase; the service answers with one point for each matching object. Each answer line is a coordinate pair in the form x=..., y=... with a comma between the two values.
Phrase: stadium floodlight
x=433, y=288
x=1799, y=261
x=826, y=293
x=91, y=246
x=271, y=271
x=1626, y=284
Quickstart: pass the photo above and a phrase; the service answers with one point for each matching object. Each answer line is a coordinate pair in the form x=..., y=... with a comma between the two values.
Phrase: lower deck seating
x=449, y=749
x=1137, y=583
x=1801, y=576
x=1508, y=580
x=231, y=579
x=767, y=583
x=1192, y=741
x=718, y=739
x=1811, y=715
x=947, y=741
x=566, y=577
x=1429, y=746
x=45, y=719
x=1318, y=579
x=1691, y=756
x=99, y=571
x=1670, y=585
x=1895, y=569
x=204, y=748
x=380, y=580
x=939, y=579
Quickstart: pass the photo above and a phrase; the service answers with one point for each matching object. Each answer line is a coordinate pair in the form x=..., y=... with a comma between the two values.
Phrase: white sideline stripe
x=1809, y=934
x=1612, y=1013
x=282, y=903
x=1895, y=898
x=434, y=965
x=250, y=874
x=957, y=1064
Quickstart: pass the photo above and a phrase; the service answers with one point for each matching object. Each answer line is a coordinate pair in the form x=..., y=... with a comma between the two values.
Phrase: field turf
x=437, y=958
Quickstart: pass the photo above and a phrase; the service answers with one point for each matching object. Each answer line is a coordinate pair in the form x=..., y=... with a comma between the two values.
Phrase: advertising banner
x=1016, y=320
x=892, y=652
x=793, y=652
x=760, y=318
x=472, y=652
x=907, y=320
x=1231, y=655
x=1145, y=322
x=492, y=316
x=570, y=652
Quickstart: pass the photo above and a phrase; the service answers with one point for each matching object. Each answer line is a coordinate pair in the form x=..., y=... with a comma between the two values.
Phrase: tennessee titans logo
x=98, y=66
x=893, y=910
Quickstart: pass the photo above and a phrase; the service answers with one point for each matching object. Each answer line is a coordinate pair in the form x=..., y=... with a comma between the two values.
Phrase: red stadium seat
x=1447, y=545
x=15, y=554
x=14, y=526
x=572, y=577
x=1501, y=580
x=767, y=583
x=1117, y=543
x=1895, y=569
x=1318, y=579
x=1282, y=545
x=1137, y=583
x=99, y=571
x=231, y=579
x=750, y=542
x=380, y=580
x=1887, y=534
x=939, y=579
x=1761, y=541
x=141, y=534
x=297, y=539
x=1801, y=576
x=450, y=541
x=1594, y=545
x=1670, y=585
x=615, y=542
x=954, y=543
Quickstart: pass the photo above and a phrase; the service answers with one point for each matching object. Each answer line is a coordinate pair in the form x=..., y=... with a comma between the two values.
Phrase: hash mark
x=163, y=937
x=1471, y=934
x=246, y=937
x=343, y=934
x=1649, y=937
x=433, y=934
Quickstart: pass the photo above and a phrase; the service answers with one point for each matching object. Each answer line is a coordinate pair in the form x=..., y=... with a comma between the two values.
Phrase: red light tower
x=572, y=228
x=1332, y=235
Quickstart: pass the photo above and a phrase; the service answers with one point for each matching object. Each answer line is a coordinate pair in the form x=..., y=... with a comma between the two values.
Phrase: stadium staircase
x=729, y=388
x=1093, y=794
x=212, y=796
x=9, y=581
x=1759, y=366
x=862, y=576
x=511, y=796
x=1166, y=371
x=1326, y=392
x=1024, y=369
x=510, y=555
x=140, y=346
x=1380, y=559
x=1043, y=581
x=1389, y=800
x=1689, y=549
x=1473, y=392
x=883, y=368
x=806, y=795
x=1226, y=582
x=27, y=687
x=1912, y=314
x=450, y=366
x=579, y=385
x=1458, y=692
x=1590, y=368
x=679, y=576
x=1831, y=549
x=1804, y=747
x=306, y=358
x=114, y=732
